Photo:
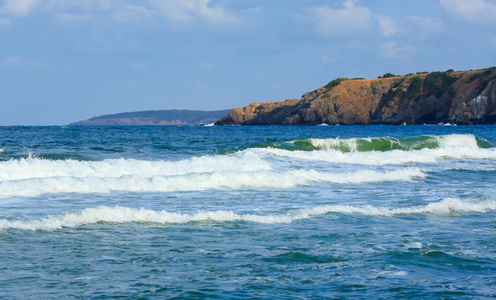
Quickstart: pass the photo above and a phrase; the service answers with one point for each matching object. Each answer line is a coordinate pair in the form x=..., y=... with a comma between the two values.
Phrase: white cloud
x=82, y=5
x=387, y=25
x=186, y=11
x=174, y=11
x=478, y=11
x=428, y=24
x=341, y=22
x=86, y=10
x=392, y=50
x=13, y=62
x=74, y=17
x=348, y=20
x=349, y=3
x=132, y=13
x=19, y=7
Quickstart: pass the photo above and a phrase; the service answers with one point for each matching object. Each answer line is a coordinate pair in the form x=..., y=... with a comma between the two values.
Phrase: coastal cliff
x=467, y=97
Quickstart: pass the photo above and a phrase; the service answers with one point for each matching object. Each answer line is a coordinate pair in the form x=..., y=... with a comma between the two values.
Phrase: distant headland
x=465, y=97
x=156, y=117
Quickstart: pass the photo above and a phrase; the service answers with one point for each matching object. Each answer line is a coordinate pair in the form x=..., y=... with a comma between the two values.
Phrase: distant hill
x=156, y=117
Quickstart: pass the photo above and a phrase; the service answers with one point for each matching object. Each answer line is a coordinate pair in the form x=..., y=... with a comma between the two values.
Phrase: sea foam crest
x=115, y=168
x=345, y=145
x=390, y=143
x=120, y=215
x=195, y=181
x=448, y=146
x=445, y=207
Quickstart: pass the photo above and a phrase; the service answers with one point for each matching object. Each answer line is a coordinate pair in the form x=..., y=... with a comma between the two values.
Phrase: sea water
x=248, y=212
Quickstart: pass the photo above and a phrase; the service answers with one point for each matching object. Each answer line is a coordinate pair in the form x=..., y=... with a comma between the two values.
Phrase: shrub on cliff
x=437, y=83
x=388, y=75
x=414, y=90
x=335, y=82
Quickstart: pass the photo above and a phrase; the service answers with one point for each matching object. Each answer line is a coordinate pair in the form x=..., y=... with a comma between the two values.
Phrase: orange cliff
x=467, y=97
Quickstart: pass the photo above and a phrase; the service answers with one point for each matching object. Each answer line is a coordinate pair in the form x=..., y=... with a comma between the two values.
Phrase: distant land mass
x=156, y=117
x=464, y=97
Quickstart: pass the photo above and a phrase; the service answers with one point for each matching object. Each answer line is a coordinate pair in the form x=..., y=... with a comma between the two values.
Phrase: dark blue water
x=248, y=212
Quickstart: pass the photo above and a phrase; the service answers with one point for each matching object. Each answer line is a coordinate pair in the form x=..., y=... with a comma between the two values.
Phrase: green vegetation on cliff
x=414, y=90
x=438, y=82
x=335, y=82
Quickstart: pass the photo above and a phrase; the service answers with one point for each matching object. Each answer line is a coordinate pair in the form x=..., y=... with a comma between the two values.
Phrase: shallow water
x=238, y=212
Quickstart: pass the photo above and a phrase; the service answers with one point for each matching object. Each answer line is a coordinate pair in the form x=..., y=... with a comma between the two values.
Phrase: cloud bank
x=477, y=11
x=173, y=11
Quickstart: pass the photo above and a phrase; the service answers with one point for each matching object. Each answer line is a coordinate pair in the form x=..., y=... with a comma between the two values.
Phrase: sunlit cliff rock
x=467, y=97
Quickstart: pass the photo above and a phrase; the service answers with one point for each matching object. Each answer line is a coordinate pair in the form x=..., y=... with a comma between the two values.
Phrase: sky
x=63, y=61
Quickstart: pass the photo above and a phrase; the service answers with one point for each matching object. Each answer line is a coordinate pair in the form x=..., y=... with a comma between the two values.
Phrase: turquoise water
x=248, y=212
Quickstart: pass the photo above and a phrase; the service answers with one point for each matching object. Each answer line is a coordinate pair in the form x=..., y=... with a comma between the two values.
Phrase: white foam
x=195, y=181
x=120, y=215
x=326, y=144
x=446, y=207
x=462, y=140
x=414, y=245
x=361, y=158
x=393, y=273
x=115, y=168
x=362, y=176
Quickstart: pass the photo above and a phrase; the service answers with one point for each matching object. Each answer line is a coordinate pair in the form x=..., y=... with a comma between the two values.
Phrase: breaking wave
x=44, y=168
x=120, y=215
x=388, y=143
x=261, y=179
x=253, y=168
x=385, y=151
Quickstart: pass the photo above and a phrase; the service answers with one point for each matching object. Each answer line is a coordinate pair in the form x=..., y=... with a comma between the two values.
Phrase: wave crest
x=121, y=215
x=384, y=144
x=195, y=181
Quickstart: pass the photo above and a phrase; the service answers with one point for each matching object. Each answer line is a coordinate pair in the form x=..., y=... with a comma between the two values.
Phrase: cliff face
x=467, y=97
x=267, y=113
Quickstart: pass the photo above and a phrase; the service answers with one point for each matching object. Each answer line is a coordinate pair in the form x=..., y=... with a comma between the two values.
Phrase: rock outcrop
x=267, y=113
x=467, y=97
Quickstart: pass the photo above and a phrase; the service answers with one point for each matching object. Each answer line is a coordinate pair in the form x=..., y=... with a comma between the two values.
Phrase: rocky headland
x=466, y=97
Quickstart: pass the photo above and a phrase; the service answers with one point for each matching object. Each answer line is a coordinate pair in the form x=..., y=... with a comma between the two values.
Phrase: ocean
x=258, y=212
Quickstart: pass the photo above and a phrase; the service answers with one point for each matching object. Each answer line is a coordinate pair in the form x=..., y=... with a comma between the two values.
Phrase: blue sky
x=66, y=60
